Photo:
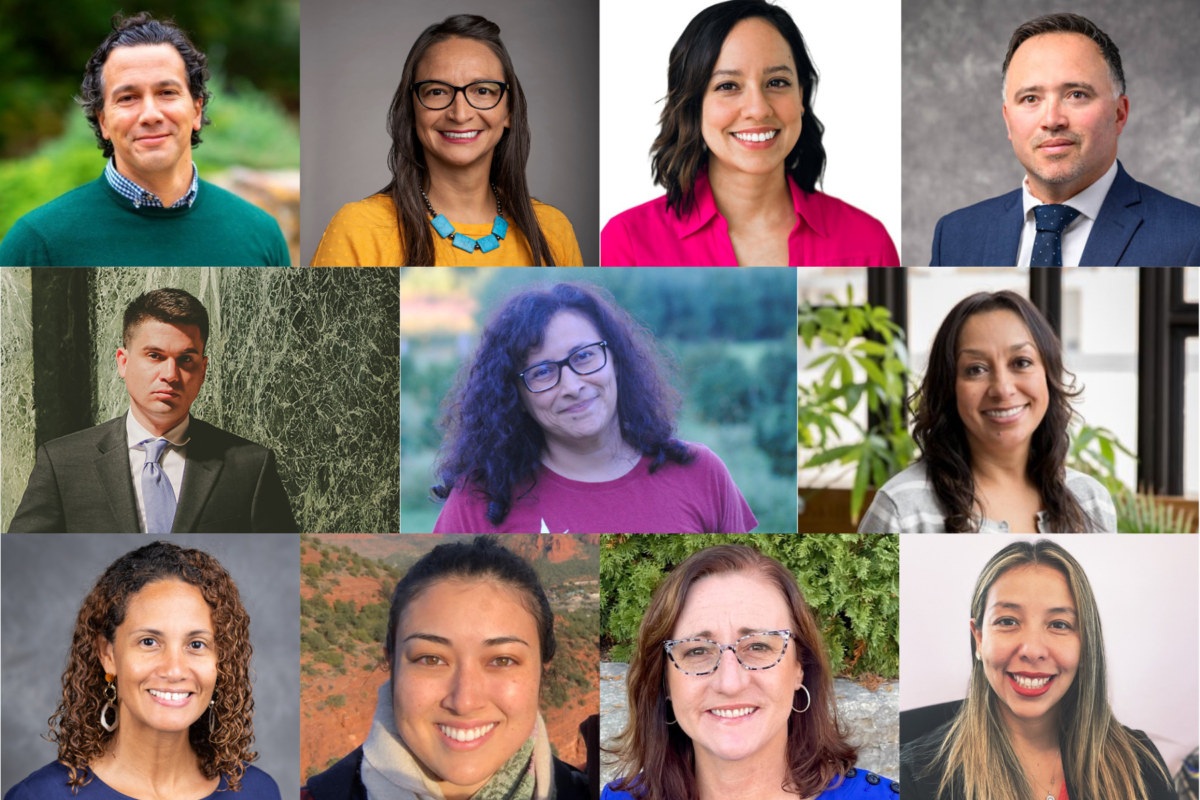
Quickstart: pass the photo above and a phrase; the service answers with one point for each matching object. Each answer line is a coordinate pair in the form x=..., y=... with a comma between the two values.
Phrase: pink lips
x=1006, y=420
x=153, y=139
x=757, y=145
x=453, y=140
x=455, y=744
x=1054, y=146
x=163, y=701
x=579, y=407
x=1021, y=690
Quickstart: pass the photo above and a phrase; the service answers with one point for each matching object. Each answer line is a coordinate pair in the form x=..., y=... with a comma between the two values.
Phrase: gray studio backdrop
x=955, y=148
x=45, y=578
x=353, y=54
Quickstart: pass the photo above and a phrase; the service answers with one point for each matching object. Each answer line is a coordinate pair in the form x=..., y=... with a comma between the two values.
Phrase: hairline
x=1118, y=89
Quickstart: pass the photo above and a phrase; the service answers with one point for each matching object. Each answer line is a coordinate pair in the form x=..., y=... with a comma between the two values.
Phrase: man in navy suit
x=1065, y=107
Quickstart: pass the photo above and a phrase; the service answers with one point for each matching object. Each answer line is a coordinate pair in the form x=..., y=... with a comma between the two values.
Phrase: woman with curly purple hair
x=564, y=421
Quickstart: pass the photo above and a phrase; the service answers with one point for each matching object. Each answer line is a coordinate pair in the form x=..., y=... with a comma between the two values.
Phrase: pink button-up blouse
x=828, y=233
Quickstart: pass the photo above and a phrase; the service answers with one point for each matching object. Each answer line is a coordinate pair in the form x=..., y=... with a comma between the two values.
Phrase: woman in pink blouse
x=740, y=155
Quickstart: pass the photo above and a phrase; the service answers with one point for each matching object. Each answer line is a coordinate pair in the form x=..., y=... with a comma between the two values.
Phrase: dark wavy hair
x=172, y=306
x=482, y=558
x=657, y=759
x=679, y=152
x=939, y=431
x=130, y=32
x=491, y=446
x=406, y=159
x=75, y=725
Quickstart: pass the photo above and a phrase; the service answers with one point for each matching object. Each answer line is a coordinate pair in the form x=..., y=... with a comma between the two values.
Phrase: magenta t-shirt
x=699, y=497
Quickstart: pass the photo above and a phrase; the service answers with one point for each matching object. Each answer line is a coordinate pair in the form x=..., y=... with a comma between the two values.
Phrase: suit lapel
x=1119, y=218
x=112, y=465
x=200, y=473
x=1004, y=234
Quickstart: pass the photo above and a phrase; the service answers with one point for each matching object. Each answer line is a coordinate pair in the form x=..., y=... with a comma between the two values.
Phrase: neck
x=462, y=194
x=1061, y=192
x=606, y=456
x=1004, y=467
x=167, y=185
x=743, y=198
x=142, y=757
x=758, y=776
x=155, y=425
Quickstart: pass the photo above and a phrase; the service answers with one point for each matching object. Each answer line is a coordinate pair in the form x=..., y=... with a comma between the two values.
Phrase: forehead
x=754, y=43
x=460, y=61
x=143, y=64
x=999, y=328
x=565, y=331
x=1033, y=586
x=168, y=603
x=165, y=336
x=724, y=604
x=468, y=611
x=1056, y=57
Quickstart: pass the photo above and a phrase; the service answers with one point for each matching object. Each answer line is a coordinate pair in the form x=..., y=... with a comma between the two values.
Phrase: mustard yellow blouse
x=364, y=234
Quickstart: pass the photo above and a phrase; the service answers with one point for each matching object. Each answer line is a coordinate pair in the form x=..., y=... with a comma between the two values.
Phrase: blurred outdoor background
x=729, y=331
x=251, y=148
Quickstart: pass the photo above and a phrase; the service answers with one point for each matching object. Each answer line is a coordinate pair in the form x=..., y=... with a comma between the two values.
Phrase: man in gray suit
x=155, y=469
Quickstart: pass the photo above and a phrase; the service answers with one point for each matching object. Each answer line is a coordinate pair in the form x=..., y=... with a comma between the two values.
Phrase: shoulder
x=226, y=202
x=1154, y=768
x=549, y=217
x=1094, y=498
x=258, y=784
x=569, y=782
x=609, y=793
x=863, y=783
x=47, y=783
x=704, y=463
x=843, y=219
x=85, y=439
x=376, y=211
x=649, y=217
x=213, y=437
x=339, y=781
x=62, y=210
x=979, y=212
x=916, y=756
x=1161, y=204
x=907, y=504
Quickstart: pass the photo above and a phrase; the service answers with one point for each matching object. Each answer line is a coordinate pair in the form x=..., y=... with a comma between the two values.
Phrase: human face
x=163, y=368
x=753, y=92
x=1029, y=640
x=724, y=608
x=1001, y=382
x=164, y=656
x=1061, y=115
x=467, y=663
x=458, y=62
x=149, y=113
x=580, y=407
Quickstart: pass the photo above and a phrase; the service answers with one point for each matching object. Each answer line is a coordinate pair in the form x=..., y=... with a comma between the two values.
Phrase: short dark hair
x=678, y=154
x=130, y=32
x=480, y=559
x=1069, y=23
x=172, y=306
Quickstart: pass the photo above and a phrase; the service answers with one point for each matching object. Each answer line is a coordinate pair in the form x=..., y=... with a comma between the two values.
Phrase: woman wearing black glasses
x=460, y=141
x=563, y=422
x=731, y=693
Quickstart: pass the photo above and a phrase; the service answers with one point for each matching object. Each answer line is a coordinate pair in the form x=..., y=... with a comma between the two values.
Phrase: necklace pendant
x=1049, y=796
x=463, y=242
x=442, y=225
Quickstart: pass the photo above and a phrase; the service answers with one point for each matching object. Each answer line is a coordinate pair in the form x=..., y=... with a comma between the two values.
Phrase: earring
x=671, y=721
x=110, y=702
x=212, y=712
x=806, y=705
x=978, y=656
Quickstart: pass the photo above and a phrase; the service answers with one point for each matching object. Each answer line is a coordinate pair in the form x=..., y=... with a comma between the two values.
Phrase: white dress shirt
x=172, y=462
x=1075, y=235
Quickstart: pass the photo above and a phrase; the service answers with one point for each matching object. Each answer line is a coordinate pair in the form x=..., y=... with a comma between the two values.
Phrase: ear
x=105, y=649
x=1004, y=113
x=978, y=636
x=1122, y=113
x=103, y=126
x=122, y=361
x=198, y=120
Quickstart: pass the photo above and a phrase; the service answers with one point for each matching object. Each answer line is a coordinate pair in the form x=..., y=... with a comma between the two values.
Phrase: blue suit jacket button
x=852, y=773
x=895, y=787
x=872, y=779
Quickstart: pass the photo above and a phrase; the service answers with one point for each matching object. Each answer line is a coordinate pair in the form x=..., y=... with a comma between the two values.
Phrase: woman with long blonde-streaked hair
x=1036, y=722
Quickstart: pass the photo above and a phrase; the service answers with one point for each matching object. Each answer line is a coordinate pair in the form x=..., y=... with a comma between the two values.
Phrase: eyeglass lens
x=760, y=650
x=436, y=96
x=583, y=362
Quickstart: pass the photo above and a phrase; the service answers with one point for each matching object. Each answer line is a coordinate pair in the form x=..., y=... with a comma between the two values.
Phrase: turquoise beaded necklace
x=486, y=244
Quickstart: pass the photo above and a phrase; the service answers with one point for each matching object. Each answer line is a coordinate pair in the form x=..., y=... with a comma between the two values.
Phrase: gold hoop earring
x=806, y=705
x=110, y=702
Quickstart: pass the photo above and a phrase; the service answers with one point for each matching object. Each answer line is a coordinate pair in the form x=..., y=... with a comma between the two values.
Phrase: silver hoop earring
x=671, y=721
x=212, y=712
x=806, y=705
x=110, y=702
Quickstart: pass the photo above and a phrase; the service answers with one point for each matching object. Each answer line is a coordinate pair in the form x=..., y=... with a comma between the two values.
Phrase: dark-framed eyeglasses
x=584, y=361
x=436, y=95
x=702, y=656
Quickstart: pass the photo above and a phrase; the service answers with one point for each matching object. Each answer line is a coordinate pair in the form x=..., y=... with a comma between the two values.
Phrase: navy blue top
x=857, y=783
x=50, y=783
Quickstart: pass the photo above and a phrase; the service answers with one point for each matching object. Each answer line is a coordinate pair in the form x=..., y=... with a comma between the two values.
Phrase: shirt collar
x=705, y=209
x=135, y=434
x=141, y=197
x=1088, y=202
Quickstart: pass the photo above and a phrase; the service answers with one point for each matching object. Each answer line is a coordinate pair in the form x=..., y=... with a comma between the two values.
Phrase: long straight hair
x=939, y=431
x=657, y=759
x=976, y=760
x=406, y=159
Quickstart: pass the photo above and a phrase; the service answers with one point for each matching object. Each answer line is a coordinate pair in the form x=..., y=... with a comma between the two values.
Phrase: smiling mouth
x=460, y=135
x=1027, y=686
x=732, y=713
x=466, y=734
x=1005, y=413
x=764, y=136
x=580, y=406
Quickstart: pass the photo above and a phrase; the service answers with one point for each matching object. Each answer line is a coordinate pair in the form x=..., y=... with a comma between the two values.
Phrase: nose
x=169, y=370
x=1053, y=117
x=460, y=109
x=729, y=678
x=755, y=105
x=466, y=693
x=151, y=113
x=1001, y=384
x=170, y=665
x=1033, y=646
x=569, y=381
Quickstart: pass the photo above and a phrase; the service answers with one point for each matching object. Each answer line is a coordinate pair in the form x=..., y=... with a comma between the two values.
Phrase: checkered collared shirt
x=139, y=196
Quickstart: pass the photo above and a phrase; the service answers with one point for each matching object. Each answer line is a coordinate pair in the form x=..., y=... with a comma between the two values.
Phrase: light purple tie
x=157, y=492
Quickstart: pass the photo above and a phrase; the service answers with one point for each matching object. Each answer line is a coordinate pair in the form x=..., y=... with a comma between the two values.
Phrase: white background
x=1146, y=590
x=856, y=50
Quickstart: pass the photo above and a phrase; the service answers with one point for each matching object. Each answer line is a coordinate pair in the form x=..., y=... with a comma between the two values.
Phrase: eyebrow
x=129, y=87
x=572, y=351
x=981, y=354
x=161, y=635
x=1072, y=85
x=741, y=632
x=738, y=73
x=1019, y=607
x=152, y=348
x=442, y=640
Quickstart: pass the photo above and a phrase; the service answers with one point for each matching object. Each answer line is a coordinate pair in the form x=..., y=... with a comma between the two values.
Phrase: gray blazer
x=81, y=483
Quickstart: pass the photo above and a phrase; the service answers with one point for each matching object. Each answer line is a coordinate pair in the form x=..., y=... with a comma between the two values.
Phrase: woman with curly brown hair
x=156, y=696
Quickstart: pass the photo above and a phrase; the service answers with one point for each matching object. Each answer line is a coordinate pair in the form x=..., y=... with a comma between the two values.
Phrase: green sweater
x=93, y=226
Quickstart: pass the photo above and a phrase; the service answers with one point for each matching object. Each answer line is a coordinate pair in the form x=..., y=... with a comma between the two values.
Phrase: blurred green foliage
x=851, y=582
x=44, y=48
x=249, y=129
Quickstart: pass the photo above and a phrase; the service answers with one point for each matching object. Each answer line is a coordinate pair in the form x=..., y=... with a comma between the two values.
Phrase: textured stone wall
x=305, y=362
x=17, y=420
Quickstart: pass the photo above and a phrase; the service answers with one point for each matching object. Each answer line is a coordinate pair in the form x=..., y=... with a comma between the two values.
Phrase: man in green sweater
x=144, y=94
